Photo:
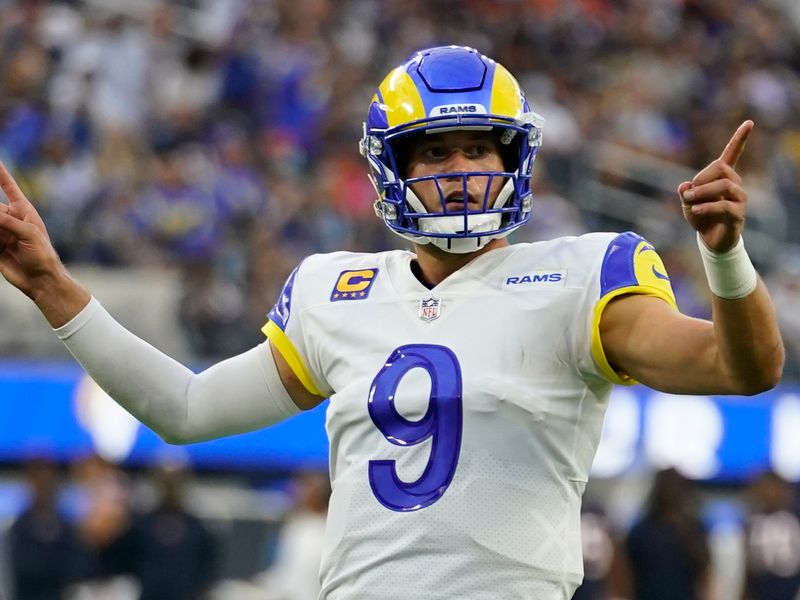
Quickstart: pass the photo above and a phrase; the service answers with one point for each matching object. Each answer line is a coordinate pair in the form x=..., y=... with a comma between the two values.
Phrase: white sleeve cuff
x=78, y=321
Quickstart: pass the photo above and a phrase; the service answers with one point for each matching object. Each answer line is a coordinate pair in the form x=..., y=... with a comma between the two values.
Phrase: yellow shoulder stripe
x=289, y=353
x=597, y=345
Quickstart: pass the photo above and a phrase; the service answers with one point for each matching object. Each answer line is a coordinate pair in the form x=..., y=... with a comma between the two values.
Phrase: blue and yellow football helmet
x=441, y=89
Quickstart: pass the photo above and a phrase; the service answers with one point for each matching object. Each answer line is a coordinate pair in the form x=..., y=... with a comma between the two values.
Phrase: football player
x=467, y=377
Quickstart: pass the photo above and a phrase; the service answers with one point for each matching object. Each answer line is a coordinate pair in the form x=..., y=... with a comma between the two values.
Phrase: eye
x=478, y=150
x=434, y=152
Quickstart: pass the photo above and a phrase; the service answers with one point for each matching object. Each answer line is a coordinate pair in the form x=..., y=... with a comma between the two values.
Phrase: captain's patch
x=353, y=285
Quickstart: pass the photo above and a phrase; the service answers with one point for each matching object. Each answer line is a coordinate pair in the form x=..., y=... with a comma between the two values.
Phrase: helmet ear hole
x=402, y=148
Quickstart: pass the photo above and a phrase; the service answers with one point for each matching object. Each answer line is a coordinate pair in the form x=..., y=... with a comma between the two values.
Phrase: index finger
x=10, y=187
x=735, y=146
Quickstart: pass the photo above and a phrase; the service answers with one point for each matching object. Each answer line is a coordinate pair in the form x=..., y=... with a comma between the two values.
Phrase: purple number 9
x=442, y=423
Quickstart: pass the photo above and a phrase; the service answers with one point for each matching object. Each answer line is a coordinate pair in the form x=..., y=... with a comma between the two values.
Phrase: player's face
x=455, y=152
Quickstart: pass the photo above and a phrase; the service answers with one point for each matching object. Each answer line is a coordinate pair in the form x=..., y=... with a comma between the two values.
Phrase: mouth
x=455, y=202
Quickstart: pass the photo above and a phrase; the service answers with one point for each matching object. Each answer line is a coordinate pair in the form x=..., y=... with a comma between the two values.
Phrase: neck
x=435, y=265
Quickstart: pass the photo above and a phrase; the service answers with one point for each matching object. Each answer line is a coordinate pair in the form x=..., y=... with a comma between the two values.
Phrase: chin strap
x=455, y=223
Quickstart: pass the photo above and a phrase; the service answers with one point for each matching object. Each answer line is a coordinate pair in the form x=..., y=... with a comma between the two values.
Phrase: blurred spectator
x=668, y=548
x=104, y=532
x=65, y=182
x=605, y=566
x=175, y=214
x=115, y=56
x=185, y=223
x=294, y=574
x=787, y=175
x=723, y=518
x=772, y=541
x=23, y=118
x=238, y=185
x=185, y=88
x=784, y=282
x=42, y=545
x=174, y=553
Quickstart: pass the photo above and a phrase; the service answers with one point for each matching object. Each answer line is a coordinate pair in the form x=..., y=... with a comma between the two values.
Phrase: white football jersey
x=463, y=419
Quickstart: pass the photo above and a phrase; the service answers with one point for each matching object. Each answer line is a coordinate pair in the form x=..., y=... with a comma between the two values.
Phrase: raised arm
x=740, y=350
x=246, y=392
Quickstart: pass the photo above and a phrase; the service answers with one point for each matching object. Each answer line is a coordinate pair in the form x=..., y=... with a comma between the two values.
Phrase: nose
x=457, y=162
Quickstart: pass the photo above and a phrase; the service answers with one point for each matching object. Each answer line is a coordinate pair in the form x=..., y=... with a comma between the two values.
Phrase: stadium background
x=187, y=155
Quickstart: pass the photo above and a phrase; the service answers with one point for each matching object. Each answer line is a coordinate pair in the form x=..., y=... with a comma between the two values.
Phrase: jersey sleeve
x=631, y=265
x=284, y=328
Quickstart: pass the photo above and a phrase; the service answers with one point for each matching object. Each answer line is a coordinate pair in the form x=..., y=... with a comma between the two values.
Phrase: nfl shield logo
x=430, y=309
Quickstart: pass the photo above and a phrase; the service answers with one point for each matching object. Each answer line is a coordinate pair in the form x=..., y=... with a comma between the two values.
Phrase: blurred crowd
x=95, y=532
x=103, y=549
x=219, y=137
x=683, y=546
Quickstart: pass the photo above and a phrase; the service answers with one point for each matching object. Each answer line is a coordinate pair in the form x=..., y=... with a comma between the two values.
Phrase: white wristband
x=730, y=274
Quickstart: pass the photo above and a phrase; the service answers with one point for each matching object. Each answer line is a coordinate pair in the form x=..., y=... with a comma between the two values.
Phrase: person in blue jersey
x=468, y=376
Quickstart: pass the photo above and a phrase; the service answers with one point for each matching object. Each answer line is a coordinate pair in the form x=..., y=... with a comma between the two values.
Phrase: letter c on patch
x=355, y=281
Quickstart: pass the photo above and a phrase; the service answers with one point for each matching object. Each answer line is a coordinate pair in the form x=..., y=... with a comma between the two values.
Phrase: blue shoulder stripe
x=618, y=269
x=283, y=307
